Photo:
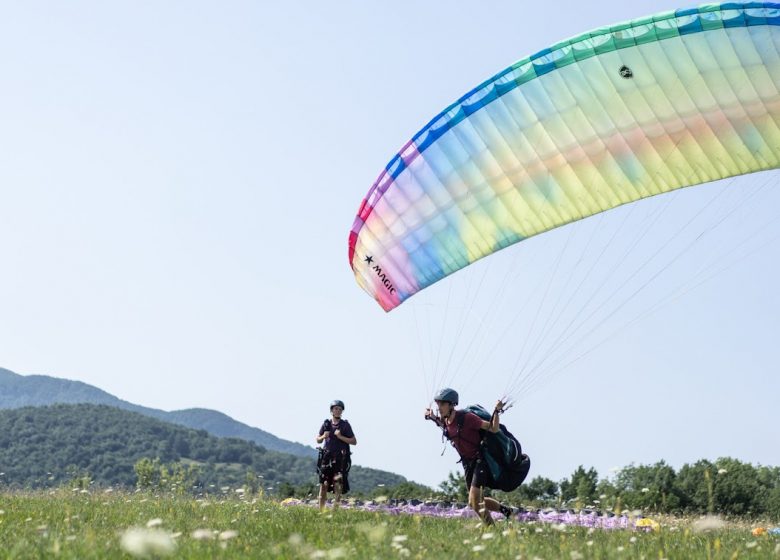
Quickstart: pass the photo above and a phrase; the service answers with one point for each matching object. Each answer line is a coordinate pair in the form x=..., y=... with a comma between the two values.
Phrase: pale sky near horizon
x=178, y=181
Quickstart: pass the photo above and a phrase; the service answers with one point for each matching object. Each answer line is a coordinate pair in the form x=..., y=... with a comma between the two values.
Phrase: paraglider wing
x=606, y=118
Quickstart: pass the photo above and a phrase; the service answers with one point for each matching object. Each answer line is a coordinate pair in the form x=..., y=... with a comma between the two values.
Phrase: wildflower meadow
x=114, y=524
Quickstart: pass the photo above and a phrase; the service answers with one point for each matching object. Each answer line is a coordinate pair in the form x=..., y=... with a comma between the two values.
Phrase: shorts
x=329, y=466
x=477, y=473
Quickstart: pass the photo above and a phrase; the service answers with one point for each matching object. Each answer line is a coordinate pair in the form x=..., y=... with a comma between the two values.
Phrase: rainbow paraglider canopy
x=600, y=120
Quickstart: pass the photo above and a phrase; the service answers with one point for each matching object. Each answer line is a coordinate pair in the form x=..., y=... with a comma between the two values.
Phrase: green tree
x=146, y=473
x=737, y=488
x=454, y=488
x=650, y=487
x=540, y=491
x=581, y=487
x=693, y=488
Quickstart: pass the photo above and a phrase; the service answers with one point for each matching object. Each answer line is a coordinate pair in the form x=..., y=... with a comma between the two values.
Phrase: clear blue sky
x=178, y=181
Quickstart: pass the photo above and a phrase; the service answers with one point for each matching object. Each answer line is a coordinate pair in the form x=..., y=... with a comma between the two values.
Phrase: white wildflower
x=156, y=522
x=645, y=490
x=487, y=536
x=620, y=549
x=708, y=523
x=632, y=540
x=202, y=534
x=399, y=538
x=576, y=555
x=295, y=539
x=589, y=543
x=751, y=544
x=478, y=547
x=227, y=535
x=337, y=553
x=146, y=543
x=722, y=471
x=375, y=533
x=559, y=526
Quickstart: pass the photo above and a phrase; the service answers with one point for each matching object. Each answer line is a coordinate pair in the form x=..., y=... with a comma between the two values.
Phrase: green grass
x=66, y=524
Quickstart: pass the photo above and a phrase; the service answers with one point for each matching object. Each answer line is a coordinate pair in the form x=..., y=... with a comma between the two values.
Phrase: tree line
x=726, y=486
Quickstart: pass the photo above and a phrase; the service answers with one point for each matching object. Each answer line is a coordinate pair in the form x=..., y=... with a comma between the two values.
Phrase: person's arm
x=323, y=435
x=351, y=440
x=493, y=425
x=429, y=415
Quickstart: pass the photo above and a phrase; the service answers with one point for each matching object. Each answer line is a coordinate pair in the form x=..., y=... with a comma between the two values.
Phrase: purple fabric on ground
x=569, y=518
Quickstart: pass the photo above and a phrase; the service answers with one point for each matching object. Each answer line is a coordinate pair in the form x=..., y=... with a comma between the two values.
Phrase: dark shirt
x=333, y=444
x=466, y=439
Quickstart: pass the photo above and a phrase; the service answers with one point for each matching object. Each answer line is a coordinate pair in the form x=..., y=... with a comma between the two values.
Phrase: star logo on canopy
x=369, y=259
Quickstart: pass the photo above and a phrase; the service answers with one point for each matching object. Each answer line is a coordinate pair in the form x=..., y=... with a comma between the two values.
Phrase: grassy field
x=67, y=524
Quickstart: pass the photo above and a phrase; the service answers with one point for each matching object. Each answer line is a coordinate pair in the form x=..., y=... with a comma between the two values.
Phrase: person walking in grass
x=464, y=430
x=334, y=460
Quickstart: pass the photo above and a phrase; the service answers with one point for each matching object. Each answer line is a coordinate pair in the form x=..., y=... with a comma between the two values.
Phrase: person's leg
x=483, y=479
x=323, y=494
x=495, y=505
x=337, y=486
x=477, y=503
x=491, y=504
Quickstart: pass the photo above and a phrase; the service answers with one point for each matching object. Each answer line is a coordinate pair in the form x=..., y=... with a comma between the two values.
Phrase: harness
x=325, y=458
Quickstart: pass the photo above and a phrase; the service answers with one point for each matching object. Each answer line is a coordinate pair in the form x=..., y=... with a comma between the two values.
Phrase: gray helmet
x=447, y=395
x=337, y=403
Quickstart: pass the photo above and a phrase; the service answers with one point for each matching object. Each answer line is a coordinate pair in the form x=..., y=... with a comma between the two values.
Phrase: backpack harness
x=325, y=458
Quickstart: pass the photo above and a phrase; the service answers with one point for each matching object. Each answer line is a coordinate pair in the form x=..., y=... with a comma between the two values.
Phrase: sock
x=505, y=511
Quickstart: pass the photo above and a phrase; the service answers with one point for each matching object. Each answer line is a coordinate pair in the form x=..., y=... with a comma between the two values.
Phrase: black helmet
x=447, y=395
x=337, y=403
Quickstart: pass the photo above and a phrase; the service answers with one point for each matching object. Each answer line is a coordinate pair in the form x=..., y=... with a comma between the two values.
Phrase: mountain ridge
x=17, y=391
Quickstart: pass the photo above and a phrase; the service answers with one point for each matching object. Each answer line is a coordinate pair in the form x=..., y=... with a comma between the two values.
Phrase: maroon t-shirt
x=466, y=439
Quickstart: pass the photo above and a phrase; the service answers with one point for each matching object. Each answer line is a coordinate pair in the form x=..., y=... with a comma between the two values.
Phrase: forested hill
x=44, y=446
x=41, y=390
